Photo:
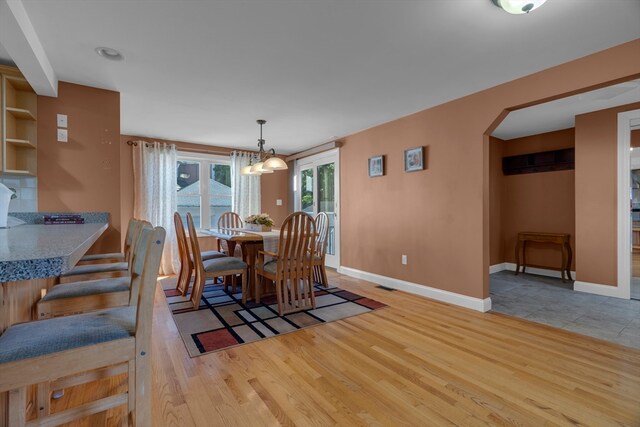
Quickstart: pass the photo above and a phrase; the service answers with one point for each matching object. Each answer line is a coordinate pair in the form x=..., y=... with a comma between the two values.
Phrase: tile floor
x=549, y=301
x=635, y=288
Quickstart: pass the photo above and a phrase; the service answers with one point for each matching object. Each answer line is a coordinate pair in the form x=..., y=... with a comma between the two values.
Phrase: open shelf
x=21, y=113
x=23, y=143
x=18, y=172
x=19, y=84
x=19, y=136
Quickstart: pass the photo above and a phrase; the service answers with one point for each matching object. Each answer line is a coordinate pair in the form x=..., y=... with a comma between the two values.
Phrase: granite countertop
x=37, y=251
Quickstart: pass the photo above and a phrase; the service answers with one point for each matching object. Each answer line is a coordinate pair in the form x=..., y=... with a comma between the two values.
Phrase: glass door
x=318, y=183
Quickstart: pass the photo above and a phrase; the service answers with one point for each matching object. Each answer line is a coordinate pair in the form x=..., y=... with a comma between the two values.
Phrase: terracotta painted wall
x=539, y=201
x=82, y=175
x=496, y=189
x=273, y=186
x=596, y=195
x=439, y=217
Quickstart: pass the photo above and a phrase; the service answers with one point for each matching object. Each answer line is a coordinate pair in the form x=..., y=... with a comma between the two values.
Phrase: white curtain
x=245, y=189
x=154, y=171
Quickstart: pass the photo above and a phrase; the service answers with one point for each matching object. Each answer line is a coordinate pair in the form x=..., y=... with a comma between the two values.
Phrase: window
x=206, y=198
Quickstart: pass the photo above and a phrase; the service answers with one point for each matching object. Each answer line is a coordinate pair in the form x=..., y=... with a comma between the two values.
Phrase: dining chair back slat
x=229, y=220
x=186, y=265
x=215, y=267
x=294, y=287
x=322, y=229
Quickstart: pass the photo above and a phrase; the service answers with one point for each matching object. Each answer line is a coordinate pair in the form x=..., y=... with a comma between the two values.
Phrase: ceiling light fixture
x=263, y=161
x=518, y=6
x=109, y=53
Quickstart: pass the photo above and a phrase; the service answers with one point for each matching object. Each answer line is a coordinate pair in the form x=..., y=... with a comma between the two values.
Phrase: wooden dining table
x=250, y=242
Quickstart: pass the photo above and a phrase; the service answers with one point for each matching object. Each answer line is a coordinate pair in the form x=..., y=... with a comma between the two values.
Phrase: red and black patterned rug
x=223, y=321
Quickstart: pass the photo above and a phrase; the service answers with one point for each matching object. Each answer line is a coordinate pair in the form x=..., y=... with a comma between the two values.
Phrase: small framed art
x=414, y=159
x=376, y=166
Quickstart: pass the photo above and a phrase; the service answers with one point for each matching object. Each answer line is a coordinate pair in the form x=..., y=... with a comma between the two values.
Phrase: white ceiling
x=561, y=113
x=5, y=59
x=204, y=71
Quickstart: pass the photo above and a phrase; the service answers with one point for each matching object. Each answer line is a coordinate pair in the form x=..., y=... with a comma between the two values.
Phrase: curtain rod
x=188, y=150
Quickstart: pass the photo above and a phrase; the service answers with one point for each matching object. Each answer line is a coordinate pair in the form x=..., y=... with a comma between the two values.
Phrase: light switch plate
x=62, y=135
x=62, y=120
x=278, y=202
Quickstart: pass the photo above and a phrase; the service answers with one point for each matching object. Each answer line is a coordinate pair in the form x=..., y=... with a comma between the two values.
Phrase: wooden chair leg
x=187, y=280
x=244, y=286
x=131, y=404
x=234, y=283
x=256, y=286
x=279, y=286
x=143, y=390
x=43, y=399
x=325, y=279
x=17, y=410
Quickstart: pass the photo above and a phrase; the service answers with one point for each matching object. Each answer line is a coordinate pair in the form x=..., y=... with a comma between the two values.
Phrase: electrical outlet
x=404, y=260
x=63, y=135
x=62, y=120
x=278, y=202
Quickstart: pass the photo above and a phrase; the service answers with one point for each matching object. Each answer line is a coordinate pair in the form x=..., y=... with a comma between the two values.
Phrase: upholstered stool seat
x=42, y=337
x=211, y=255
x=100, y=257
x=96, y=268
x=89, y=287
x=84, y=296
x=223, y=264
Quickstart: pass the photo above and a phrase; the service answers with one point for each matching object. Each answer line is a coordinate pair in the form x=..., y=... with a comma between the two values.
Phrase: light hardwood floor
x=415, y=363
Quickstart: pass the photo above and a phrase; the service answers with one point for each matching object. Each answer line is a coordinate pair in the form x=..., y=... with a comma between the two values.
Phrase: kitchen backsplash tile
x=27, y=191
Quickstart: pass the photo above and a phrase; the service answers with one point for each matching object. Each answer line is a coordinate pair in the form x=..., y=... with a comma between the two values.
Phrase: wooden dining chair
x=322, y=230
x=290, y=268
x=89, y=295
x=186, y=257
x=229, y=220
x=94, y=344
x=108, y=258
x=215, y=267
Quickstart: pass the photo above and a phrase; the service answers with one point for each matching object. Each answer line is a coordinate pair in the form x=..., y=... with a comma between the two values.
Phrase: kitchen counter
x=35, y=251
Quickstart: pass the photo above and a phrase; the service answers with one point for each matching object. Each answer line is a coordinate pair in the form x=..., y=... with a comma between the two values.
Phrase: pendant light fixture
x=518, y=6
x=263, y=161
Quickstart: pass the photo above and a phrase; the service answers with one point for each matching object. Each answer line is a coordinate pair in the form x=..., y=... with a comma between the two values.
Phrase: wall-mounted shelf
x=18, y=124
x=22, y=143
x=21, y=113
x=18, y=172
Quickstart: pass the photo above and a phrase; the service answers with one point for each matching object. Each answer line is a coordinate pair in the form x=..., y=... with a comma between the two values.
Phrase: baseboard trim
x=477, y=304
x=497, y=268
x=599, y=289
x=531, y=270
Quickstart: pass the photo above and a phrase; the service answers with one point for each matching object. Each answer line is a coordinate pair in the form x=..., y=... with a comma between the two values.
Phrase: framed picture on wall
x=376, y=166
x=414, y=159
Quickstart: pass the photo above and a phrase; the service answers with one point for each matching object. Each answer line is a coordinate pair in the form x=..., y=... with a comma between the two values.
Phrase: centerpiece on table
x=260, y=222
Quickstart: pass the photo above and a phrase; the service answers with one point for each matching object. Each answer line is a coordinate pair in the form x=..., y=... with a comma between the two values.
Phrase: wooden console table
x=557, y=238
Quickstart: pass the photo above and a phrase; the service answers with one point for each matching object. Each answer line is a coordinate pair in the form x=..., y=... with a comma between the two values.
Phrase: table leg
x=569, y=260
x=524, y=256
x=564, y=262
x=250, y=252
x=518, y=248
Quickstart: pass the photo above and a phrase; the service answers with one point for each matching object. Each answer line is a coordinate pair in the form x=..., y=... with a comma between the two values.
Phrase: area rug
x=223, y=321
